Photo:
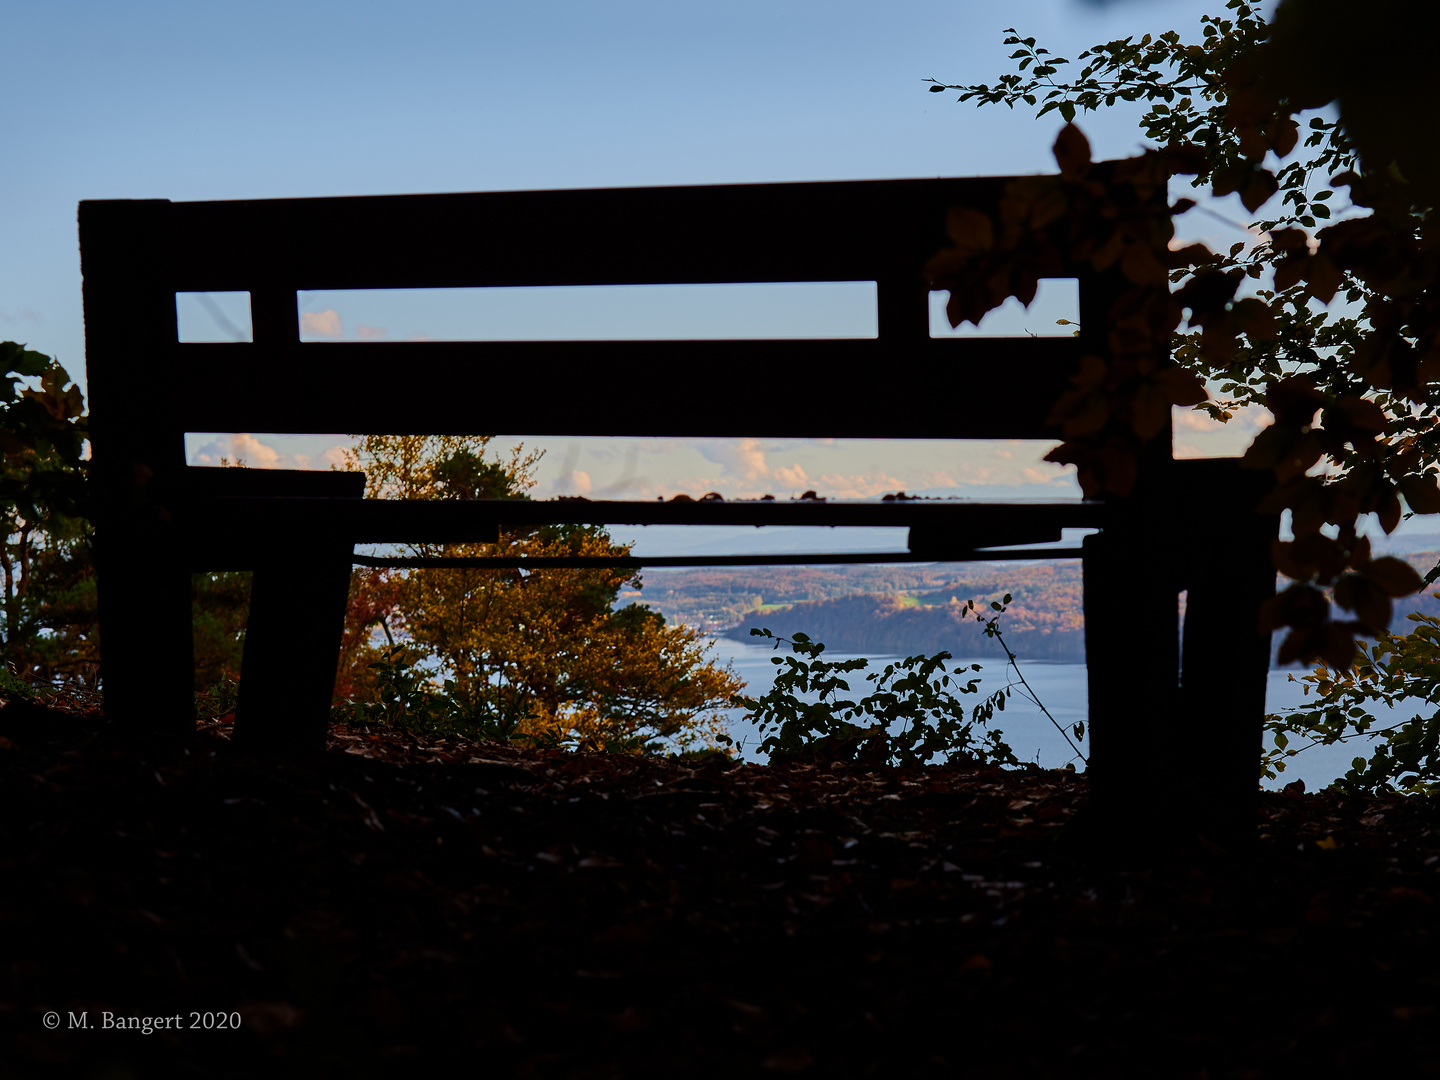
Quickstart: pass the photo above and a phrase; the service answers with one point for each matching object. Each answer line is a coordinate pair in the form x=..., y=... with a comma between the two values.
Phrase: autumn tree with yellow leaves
x=543, y=657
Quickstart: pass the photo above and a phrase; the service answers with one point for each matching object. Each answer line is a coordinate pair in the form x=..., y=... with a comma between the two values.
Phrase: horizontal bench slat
x=829, y=231
x=699, y=561
x=200, y=482
x=963, y=388
x=381, y=521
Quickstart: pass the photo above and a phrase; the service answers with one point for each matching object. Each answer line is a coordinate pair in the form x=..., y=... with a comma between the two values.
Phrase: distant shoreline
x=910, y=609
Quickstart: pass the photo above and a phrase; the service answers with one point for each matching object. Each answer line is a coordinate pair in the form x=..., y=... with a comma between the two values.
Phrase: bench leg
x=292, y=646
x=1216, y=781
x=1226, y=659
x=1132, y=655
x=1172, y=762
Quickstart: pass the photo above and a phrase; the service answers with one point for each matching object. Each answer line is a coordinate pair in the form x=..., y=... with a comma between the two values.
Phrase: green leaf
x=16, y=358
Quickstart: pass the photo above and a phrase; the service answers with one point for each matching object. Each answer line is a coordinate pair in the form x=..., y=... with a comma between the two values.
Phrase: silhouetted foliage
x=911, y=717
x=49, y=588
x=1352, y=389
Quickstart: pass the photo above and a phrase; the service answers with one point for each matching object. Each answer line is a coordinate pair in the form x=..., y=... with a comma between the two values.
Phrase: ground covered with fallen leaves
x=388, y=908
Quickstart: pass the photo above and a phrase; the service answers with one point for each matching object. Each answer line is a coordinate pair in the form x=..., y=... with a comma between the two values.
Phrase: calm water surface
x=1061, y=687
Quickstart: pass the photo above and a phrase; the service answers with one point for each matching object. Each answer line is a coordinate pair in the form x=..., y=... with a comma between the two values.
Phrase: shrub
x=916, y=694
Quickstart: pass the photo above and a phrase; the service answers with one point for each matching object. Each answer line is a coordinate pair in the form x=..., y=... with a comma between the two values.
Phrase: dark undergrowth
x=394, y=907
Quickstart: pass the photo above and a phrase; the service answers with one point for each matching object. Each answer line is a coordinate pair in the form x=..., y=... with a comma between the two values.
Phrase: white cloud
x=837, y=486
x=792, y=476
x=321, y=323
x=245, y=447
x=790, y=481
x=334, y=456
x=259, y=456
x=575, y=482
x=743, y=457
x=1216, y=439
x=1252, y=418
x=748, y=468
x=1193, y=420
x=746, y=474
x=239, y=447
x=371, y=333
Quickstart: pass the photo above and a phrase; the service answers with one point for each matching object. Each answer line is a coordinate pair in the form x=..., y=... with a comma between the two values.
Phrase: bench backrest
x=138, y=254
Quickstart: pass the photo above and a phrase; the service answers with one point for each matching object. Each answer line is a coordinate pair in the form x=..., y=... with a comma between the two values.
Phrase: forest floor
x=390, y=907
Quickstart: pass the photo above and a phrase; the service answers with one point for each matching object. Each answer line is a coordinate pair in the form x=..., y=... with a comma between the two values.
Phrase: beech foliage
x=1331, y=320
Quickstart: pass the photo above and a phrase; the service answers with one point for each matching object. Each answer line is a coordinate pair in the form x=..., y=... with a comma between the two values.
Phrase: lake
x=1062, y=688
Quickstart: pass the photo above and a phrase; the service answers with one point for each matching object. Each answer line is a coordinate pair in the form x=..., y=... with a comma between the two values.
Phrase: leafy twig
x=992, y=630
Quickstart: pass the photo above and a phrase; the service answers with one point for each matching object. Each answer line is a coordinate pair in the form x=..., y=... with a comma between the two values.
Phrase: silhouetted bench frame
x=1193, y=526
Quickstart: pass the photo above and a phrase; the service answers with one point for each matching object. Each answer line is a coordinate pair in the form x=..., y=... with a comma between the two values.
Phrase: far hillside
x=719, y=599
x=883, y=609
x=908, y=608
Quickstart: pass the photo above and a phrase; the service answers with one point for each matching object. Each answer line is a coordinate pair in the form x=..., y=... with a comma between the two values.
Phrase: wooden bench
x=1192, y=525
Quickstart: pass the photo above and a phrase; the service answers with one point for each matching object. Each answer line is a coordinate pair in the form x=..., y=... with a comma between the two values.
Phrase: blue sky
x=262, y=100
